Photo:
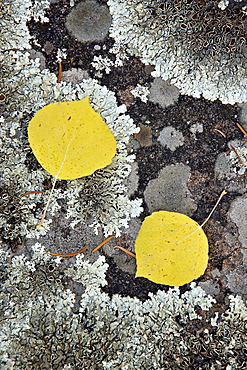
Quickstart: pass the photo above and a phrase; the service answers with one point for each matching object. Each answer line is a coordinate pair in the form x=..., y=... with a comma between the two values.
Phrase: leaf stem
x=32, y=192
x=60, y=71
x=224, y=192
x=47, y=204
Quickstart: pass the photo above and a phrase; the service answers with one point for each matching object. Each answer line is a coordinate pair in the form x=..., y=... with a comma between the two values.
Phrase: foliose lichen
x=44, y=321
x=141, y=92
x=102, y=64
x=101, y=196
x=14, y=15
x=200, y=46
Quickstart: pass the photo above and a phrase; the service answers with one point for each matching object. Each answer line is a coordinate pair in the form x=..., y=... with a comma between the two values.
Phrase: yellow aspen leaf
x=171, y=249
x=71, y=140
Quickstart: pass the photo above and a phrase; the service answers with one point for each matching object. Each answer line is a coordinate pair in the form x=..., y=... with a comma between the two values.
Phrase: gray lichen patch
x=237, y=280
x=163, y=93
x=132, y=180
x=238, y=214
x=243, y=115
x=210, y=287
x=64, y=239
x=223, y=167
x=89, y=21
x=200, y=47
x=171, y=138
x=169, y=191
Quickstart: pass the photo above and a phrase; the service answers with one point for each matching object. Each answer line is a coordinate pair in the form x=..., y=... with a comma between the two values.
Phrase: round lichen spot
x=89, y=21
x=163, y=93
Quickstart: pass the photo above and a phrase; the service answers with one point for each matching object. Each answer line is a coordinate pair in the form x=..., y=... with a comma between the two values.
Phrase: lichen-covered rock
x=62, y=319
x=200, y=46
x=36, y=90
x=55, y=316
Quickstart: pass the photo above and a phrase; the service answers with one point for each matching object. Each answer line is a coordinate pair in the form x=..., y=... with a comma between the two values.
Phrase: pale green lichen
x=102, y=64
x=102, y=196
x=14, y=15
x=41, y=324
x=201, y=47
x=141, y=92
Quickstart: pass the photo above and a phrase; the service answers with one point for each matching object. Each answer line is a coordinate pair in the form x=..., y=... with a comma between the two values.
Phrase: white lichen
x=61, y=54
x=102, y=64
x=141, y=92
x=41, y=317
x=120, y=53
x=14, y=16
x=196, y=128
x=202, y=54
x=223, y=4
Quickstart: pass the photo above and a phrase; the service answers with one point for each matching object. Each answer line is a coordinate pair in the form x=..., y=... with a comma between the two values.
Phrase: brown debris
x=126, y=97
x=144, y=136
